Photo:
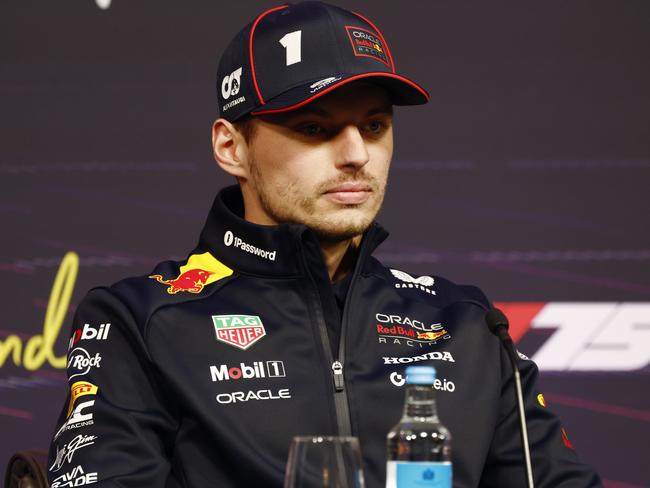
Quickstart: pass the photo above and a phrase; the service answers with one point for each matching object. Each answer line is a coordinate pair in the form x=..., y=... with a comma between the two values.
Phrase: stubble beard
x=285, y=205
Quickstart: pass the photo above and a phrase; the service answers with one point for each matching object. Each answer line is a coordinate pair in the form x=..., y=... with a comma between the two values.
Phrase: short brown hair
x=245, y=126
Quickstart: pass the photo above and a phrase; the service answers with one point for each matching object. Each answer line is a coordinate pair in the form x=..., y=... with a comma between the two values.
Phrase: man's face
x=324, y=165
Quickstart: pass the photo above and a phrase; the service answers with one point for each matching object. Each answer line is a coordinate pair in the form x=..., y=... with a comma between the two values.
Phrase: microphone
x=497, y=322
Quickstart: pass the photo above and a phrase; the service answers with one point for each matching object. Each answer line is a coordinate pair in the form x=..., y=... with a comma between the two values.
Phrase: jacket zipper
x=337, y=366
x=340, y=396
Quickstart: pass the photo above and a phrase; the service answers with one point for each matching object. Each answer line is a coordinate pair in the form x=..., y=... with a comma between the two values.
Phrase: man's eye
x=312, y=130
x=374, y=126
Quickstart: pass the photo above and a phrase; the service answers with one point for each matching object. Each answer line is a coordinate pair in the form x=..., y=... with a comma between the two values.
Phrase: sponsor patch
x=414, y=323
x=87, y=332
x=232, y=103
x=422, y=283
x=80, y=362
x=76, y=477
x=65, y=454
x=77, y=418
x=241, y=331
x=429, y=356
x=258, y=369
x=399, y=379
x=366, y=43
x=396, y=328
x=405, y=342
x=253, y=395
x=231, y=84
x=79, y=389
x=199, y=271
x=230, y=239
x=319, y=85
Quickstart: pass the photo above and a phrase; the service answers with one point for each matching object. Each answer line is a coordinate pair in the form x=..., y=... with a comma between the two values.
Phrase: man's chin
x=341, y=230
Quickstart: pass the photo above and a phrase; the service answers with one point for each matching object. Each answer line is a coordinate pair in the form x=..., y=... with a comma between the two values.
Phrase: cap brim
x=401, y=91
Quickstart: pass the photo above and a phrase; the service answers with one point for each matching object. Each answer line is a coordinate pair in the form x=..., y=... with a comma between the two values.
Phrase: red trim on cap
x=390, y=56
x=343, y=82
x=250, y=48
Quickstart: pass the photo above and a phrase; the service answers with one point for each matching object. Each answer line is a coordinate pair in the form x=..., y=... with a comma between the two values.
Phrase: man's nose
x=351, y=148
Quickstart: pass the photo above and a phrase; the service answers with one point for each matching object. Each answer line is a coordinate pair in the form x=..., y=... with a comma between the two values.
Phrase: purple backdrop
x=527, y=174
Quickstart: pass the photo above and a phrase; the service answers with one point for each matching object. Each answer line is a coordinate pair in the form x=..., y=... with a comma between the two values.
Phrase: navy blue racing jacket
x=201, y=372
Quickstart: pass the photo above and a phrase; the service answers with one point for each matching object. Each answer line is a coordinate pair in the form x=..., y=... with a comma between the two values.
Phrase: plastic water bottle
x=419, y=446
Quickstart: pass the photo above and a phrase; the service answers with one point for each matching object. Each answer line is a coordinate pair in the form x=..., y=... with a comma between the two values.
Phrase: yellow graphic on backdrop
x=40, y=348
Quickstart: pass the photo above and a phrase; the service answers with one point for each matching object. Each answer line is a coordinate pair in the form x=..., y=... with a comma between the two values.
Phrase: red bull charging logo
x=199, y=271
x=432, y=336
x=192, y=280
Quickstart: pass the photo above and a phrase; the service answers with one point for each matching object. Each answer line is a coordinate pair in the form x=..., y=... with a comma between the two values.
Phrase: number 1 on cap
x=291, y=44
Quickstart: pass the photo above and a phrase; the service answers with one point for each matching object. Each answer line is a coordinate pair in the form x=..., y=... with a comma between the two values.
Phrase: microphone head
x=496, y=320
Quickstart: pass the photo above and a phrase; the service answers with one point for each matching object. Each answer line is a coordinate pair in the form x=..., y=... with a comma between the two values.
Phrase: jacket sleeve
x=116, y=427
x=554, y=462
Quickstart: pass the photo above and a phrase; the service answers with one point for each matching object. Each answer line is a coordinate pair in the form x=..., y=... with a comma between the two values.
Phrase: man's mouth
x=351, y=193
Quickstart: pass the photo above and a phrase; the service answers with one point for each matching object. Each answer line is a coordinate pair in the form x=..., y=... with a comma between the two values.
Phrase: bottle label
x=406, y=474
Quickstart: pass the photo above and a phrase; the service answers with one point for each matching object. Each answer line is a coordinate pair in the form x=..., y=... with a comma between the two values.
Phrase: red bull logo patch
x=402, y=329
x=199, y=271
x=432, y=336
x=192, y=281
x=366, y=43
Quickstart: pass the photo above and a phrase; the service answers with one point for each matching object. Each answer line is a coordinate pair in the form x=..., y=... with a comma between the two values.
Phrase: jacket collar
x=265, y=249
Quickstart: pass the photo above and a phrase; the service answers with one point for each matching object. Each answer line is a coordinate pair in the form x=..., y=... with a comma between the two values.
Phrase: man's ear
x=230, y=149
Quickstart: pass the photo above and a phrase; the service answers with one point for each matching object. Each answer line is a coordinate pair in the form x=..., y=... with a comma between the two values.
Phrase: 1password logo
x=229, y=239
x=399, y=379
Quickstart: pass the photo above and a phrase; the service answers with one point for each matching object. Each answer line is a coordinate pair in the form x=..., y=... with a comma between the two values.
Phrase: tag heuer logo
x=241, y=331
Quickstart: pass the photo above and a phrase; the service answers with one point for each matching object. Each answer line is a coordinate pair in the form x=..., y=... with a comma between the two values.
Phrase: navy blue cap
x=292, y=54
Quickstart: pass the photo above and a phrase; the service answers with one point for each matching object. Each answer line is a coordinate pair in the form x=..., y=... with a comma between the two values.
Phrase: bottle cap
x=420, y=375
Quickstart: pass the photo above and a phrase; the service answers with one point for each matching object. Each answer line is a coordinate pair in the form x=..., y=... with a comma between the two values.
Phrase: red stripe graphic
x=619, y=411
x=11, y=412
x=618, y=484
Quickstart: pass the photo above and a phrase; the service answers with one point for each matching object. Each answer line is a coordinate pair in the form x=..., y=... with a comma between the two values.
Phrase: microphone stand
x=498, y=325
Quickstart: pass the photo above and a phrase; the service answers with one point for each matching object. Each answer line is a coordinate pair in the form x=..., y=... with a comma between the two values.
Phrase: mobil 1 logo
x=88, y=332
x=257, y=369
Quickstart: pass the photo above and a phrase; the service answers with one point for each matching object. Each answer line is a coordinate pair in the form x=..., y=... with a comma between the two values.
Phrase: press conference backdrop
x=527, y=174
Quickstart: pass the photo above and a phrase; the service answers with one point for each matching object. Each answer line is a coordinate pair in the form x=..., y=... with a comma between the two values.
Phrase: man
x=280, y=322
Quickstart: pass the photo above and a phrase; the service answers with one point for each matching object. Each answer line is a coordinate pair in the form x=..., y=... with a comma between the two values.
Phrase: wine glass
x=324, y=462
